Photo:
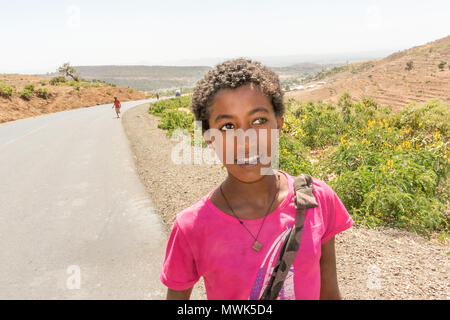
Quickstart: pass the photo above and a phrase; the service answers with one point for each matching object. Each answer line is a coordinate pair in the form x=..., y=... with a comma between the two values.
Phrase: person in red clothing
x=117, y=105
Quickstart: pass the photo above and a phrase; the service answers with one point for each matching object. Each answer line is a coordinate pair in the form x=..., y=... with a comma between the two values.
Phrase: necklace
x=256, y=245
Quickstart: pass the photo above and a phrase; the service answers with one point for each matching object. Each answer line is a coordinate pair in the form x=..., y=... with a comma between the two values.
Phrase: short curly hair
x=233, y=74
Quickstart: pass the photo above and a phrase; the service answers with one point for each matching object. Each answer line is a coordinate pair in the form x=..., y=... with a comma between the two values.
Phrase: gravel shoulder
x=382, y=263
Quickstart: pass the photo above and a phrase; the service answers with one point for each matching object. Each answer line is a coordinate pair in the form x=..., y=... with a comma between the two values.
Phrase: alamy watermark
x=232, y=146
x=373, y=277
x=73, y=281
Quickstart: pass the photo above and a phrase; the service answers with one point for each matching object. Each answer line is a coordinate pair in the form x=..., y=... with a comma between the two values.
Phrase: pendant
x=257, y=245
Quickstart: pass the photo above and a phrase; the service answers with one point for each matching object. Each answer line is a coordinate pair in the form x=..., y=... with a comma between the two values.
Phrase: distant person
x=117, y=105
x=177, y=93
x=157, y=96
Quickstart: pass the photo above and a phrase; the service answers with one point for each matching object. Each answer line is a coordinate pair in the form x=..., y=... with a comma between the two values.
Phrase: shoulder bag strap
x=304, y=199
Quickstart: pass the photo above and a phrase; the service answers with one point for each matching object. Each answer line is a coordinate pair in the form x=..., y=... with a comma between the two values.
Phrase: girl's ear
x=280, y=121
x=208, y=142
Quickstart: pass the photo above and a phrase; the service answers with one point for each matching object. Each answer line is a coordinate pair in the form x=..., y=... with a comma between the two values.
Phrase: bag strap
x=304, y=199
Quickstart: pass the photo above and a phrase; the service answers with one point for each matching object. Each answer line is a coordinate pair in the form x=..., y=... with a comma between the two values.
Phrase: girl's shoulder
x=193, y=215
x=324, y=194
x=321, y=189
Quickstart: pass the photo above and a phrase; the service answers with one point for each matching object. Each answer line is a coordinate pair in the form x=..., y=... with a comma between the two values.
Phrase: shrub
x=43, y=93
x=176, y=119
x=426, y=118
x=293, y=156
x=6, y=91
x=409, y=65
x=441, y=65
x=394, y=172
x=157, y=108
x=57, y=80
x=26, y=94
x=76, y=85
x=29, y=87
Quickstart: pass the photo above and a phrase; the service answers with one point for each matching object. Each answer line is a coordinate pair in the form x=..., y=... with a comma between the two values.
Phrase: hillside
x=296, y=73
x=167, y=78
x=386, y=80
x=61, y=97
x=147, y=78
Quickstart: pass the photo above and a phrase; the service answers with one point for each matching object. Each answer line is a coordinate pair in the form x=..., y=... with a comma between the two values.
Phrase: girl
x=231, y=237
x=117, y=105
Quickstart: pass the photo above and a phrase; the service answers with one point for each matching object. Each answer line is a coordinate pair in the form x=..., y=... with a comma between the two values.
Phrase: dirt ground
x=377, y=264
x=63, y=97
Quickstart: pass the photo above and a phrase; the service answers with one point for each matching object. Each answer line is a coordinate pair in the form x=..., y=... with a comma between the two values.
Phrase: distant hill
x=43, y=97
x=146, y=78
x=163, y=78
x=387, y=80
x=296, y=73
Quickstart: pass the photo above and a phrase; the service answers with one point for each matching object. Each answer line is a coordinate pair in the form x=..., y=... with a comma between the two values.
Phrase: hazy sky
x=38, y=36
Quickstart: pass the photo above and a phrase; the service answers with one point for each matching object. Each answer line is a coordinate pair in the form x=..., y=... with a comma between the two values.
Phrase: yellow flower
x=380, y=123
x=316, y=137
x=305, y=116
x=343, y=141
x=284, y=125
x=297, y=120
x=390, y=163
x=387, y=145
x=420, y=124
x=370, y=123
x=407, y=144
x=285, y=151
x=437, y=135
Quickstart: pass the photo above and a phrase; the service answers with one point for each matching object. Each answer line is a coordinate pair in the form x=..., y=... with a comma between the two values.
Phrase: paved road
x=75, y=221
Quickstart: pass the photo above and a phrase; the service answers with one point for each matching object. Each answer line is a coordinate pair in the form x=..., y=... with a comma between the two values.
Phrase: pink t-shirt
x=206, y=242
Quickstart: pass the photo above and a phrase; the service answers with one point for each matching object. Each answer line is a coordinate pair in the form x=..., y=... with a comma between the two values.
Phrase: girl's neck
x=261, y=189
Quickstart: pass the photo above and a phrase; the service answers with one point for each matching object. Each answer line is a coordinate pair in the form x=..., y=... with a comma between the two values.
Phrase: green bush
x=6, y=91
x=43, y=93
x=57, y=80
x=29, y=87
x=172, y=119
x=26, y=94
x=157, y=108
x=394, y=172
x=293, y=156
x=409, y=65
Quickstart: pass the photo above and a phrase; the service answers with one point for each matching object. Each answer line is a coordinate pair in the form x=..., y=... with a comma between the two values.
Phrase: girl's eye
x=227, y=126
x=257, y=121
x=261, y=120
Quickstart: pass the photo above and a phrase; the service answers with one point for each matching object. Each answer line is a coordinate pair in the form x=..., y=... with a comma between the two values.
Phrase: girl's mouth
x=248, y=162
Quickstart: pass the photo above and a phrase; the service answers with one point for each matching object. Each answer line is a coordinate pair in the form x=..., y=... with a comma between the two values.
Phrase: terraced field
x=387, y=81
